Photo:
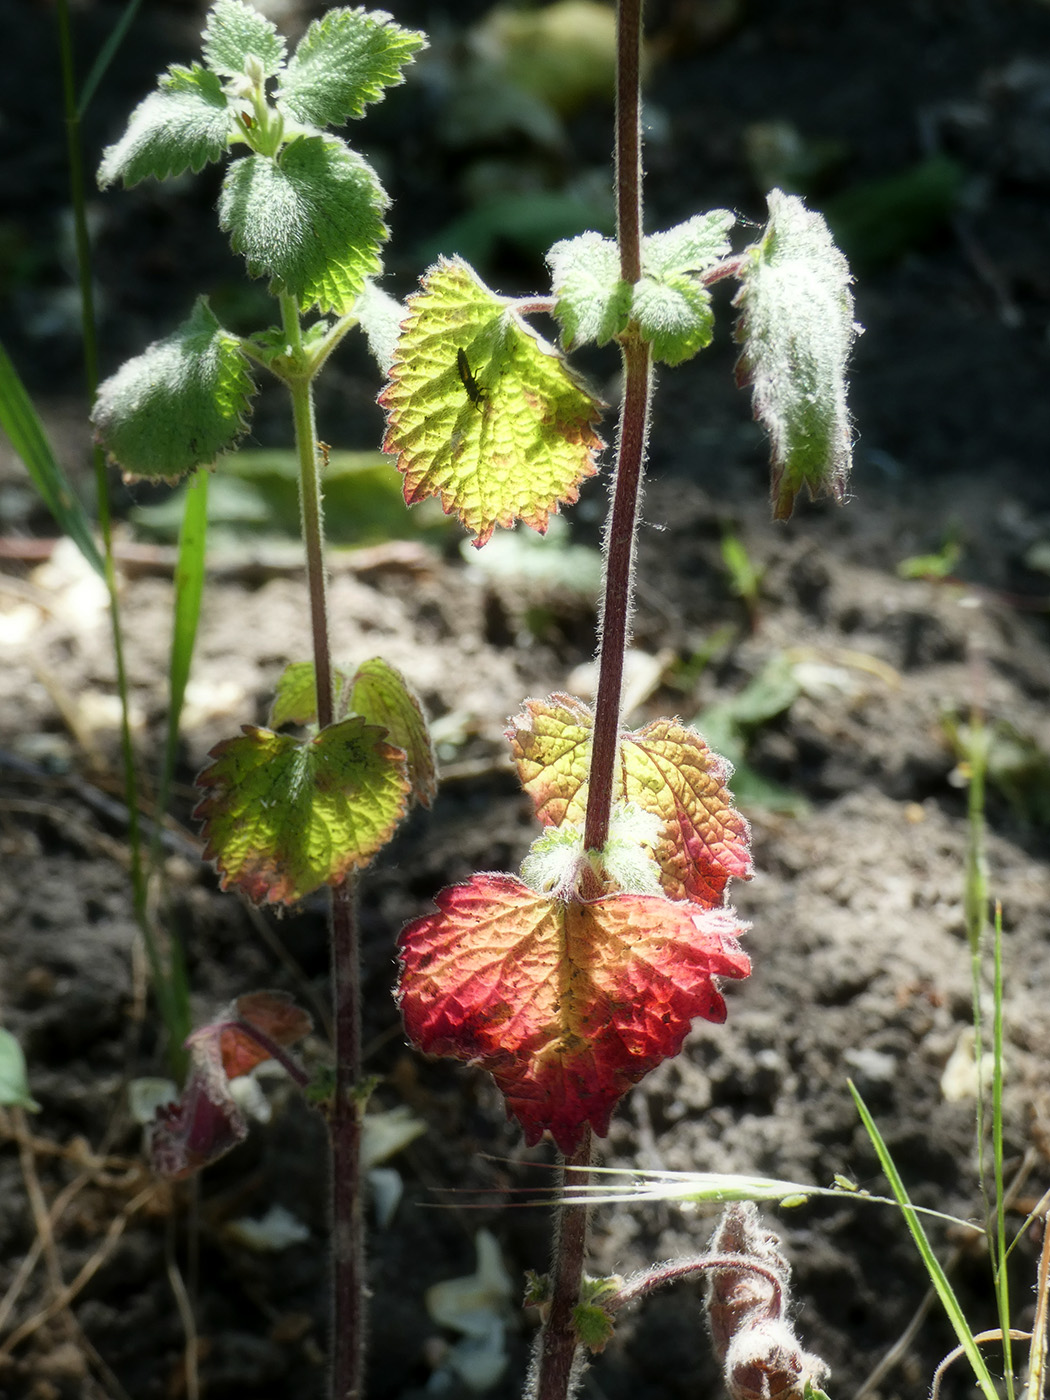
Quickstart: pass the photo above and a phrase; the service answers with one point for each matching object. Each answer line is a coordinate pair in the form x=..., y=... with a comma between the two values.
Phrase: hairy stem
x=559, y=1345
x=348, y=1229
x=348, y=1252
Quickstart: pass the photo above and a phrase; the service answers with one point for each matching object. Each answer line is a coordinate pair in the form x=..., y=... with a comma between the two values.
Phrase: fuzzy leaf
x=185, y=124
x=670, y=303
x=482, y=412
x=282, y=817
x=797, y=327
x=665, y=768
x=343, y=62
x=566, y=1004
x=311, y=220
x=295, y=695
x=380, y=694
x=693, y=246
x=235, y=32
x=178, y=404
x=591, y=302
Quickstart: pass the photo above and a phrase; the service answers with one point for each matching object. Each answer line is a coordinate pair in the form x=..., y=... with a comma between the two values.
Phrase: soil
x=862, y=968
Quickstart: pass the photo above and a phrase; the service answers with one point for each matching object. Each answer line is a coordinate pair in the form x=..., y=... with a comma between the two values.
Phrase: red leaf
x=566, y=1004
x=207, y=1121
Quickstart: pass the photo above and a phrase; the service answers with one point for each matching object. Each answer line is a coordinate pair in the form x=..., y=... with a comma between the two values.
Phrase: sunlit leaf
x=567, y=1004
x=236, y=32
x=282, y=816
x=482, y=412
x=344, y=61
x=184, y=125
x=665, y=768
x=381, y=695
x=177, y=405
x=796, y=324
x=591, y=301
x=311, y=220
x=295, y=695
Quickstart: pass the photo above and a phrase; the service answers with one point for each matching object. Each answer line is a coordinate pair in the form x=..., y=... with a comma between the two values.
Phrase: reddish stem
x=676, y=1269
x=559, y=1345
x=348, y=1232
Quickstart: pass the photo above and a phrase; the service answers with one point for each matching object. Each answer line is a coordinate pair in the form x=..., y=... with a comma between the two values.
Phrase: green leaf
x=674, y=317
x=21, y=423
x=178, y=404
x=343, y=62
x=234, y=33
x=282, y=817
x=381, y=695
x=671, y=305
x=184, y=125
x=311, y=220
x=797, y=327
x=295, y=696
x=694, y=246
x=591, y=301
x=482, y=412
x=14, y=1085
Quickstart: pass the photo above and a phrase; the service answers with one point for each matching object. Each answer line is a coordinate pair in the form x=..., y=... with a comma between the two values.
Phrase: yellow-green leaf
x=282, y=817
x=482, y=412
x=381, y=695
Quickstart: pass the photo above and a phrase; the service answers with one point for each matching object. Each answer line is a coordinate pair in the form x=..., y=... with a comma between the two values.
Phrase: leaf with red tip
x=481, y=411
x=282, y=816
x=665, y=768
x=566, y=1004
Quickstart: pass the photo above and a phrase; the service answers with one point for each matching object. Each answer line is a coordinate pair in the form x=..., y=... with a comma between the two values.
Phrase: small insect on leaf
x=475, y=393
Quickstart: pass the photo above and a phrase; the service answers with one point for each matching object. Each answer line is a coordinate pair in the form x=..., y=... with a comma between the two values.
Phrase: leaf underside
x=566, y=1004
x=283, y=816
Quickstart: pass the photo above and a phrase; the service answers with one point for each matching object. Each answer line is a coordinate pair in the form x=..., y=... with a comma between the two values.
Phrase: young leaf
x=670, y=304
x=567, y=1004
x=343, y=62
x=482, y=412
x=591, y=302
x=380, y=694
x=184, y=125
x=236, y=32
x=282, y=817
x=665, y=768
x=178, y=404
x=797, y=327
x=311, y=220
x=295, y=695
x=14, y=1084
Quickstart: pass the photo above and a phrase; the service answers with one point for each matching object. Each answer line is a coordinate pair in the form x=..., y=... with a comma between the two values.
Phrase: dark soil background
x=851, y=781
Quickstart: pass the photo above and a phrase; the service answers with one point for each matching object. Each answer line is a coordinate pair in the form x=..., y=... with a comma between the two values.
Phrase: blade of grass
x=937, y=1275
x=1002, y=1279
x=105, y=56
x=22, y=424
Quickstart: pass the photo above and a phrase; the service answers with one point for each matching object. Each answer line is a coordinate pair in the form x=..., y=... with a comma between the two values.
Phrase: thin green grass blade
x=22, y=424
x=1002, y=1278
x=105, y=56
x=937, y=1275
